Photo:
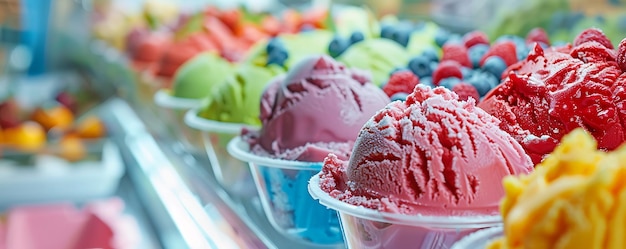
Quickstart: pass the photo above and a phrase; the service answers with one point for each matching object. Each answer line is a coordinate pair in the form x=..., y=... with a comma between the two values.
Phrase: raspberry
x=505, y=49
x=447, y=69
x=621, y=55
x=465, y=91
x=593, y=34
x=592, y=51
x=401, y=82
x=456, y=52
x=537, y=35
x=475, y=37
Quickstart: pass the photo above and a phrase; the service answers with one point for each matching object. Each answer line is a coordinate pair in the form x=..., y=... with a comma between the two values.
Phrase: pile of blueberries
x=470, y=59
x=399, y=32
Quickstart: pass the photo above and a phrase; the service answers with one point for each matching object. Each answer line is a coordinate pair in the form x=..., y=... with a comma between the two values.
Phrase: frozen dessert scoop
x=317, y=108
x=430, y=155
x=200, y=76
x=237, y=99
x=575, y=198
x=556, y=90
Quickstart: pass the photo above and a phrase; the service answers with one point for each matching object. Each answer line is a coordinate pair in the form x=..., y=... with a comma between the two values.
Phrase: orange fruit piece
x=57, y=116
x=72, y=148
x=90, y=127
x=28, y=136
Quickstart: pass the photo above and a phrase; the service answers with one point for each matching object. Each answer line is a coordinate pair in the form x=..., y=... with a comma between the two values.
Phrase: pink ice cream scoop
x=317, y=108
x=430, y=155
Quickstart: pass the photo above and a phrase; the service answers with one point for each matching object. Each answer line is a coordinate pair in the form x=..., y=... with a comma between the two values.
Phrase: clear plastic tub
x=282, y=186
x=233, y=174
x=27, y=177
x=480, y=239
x=367, y=228
x=174, y=109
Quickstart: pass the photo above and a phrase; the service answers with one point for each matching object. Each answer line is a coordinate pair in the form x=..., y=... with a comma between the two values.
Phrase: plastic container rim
x=478, y=235
x=164, y=98
x=241, y=150
x=194, y=121
x=445, y=222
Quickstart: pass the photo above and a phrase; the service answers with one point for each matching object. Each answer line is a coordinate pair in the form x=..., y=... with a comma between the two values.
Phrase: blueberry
x=356, y=36
x=517, y=40
x=273, y=44
x=307, y=27
x=420, y=65
x=399, y=96
x=427, y=81
x=431, y=54
x=455, y=38
x=387, y=31
x=483, y=82
x=495, y=65
x=337, y=46
x=467, y=72
x=449, y=82
x=402, y=36
x=441, y=37
x=278, y=57
x=476, y=52
x=522, y=53
x=433, y=65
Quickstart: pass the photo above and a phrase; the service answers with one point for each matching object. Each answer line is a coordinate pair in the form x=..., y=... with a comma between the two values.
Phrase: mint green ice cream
x=197, y=77
x=237, y=99
x=379, y=56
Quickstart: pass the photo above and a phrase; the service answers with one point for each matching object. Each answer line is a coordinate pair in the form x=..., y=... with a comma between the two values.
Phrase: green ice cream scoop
x=237, y=99
x=379, y=56
x=199, y=76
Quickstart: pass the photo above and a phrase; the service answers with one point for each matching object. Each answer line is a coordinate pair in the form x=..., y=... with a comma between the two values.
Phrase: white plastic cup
x=231, y=173
x=173, y=110
x=368, y=228
x=282, y=186
x=480, y=239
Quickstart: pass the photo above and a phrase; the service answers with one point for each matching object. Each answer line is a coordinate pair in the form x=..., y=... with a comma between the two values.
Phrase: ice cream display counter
x=316, y=124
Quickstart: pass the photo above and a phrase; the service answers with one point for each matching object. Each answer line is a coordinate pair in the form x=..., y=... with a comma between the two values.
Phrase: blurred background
x=82, y=137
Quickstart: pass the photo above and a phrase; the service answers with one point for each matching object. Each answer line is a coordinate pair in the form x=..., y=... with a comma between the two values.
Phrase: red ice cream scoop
x=557, y=90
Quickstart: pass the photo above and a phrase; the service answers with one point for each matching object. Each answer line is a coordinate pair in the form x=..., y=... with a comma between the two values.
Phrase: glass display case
x=174, y=183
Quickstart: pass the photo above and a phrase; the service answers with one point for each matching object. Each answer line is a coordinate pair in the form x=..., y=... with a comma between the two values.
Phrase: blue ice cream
x=291, y=208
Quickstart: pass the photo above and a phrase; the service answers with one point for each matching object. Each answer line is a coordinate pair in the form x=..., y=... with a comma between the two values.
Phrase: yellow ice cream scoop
x=576, y=198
